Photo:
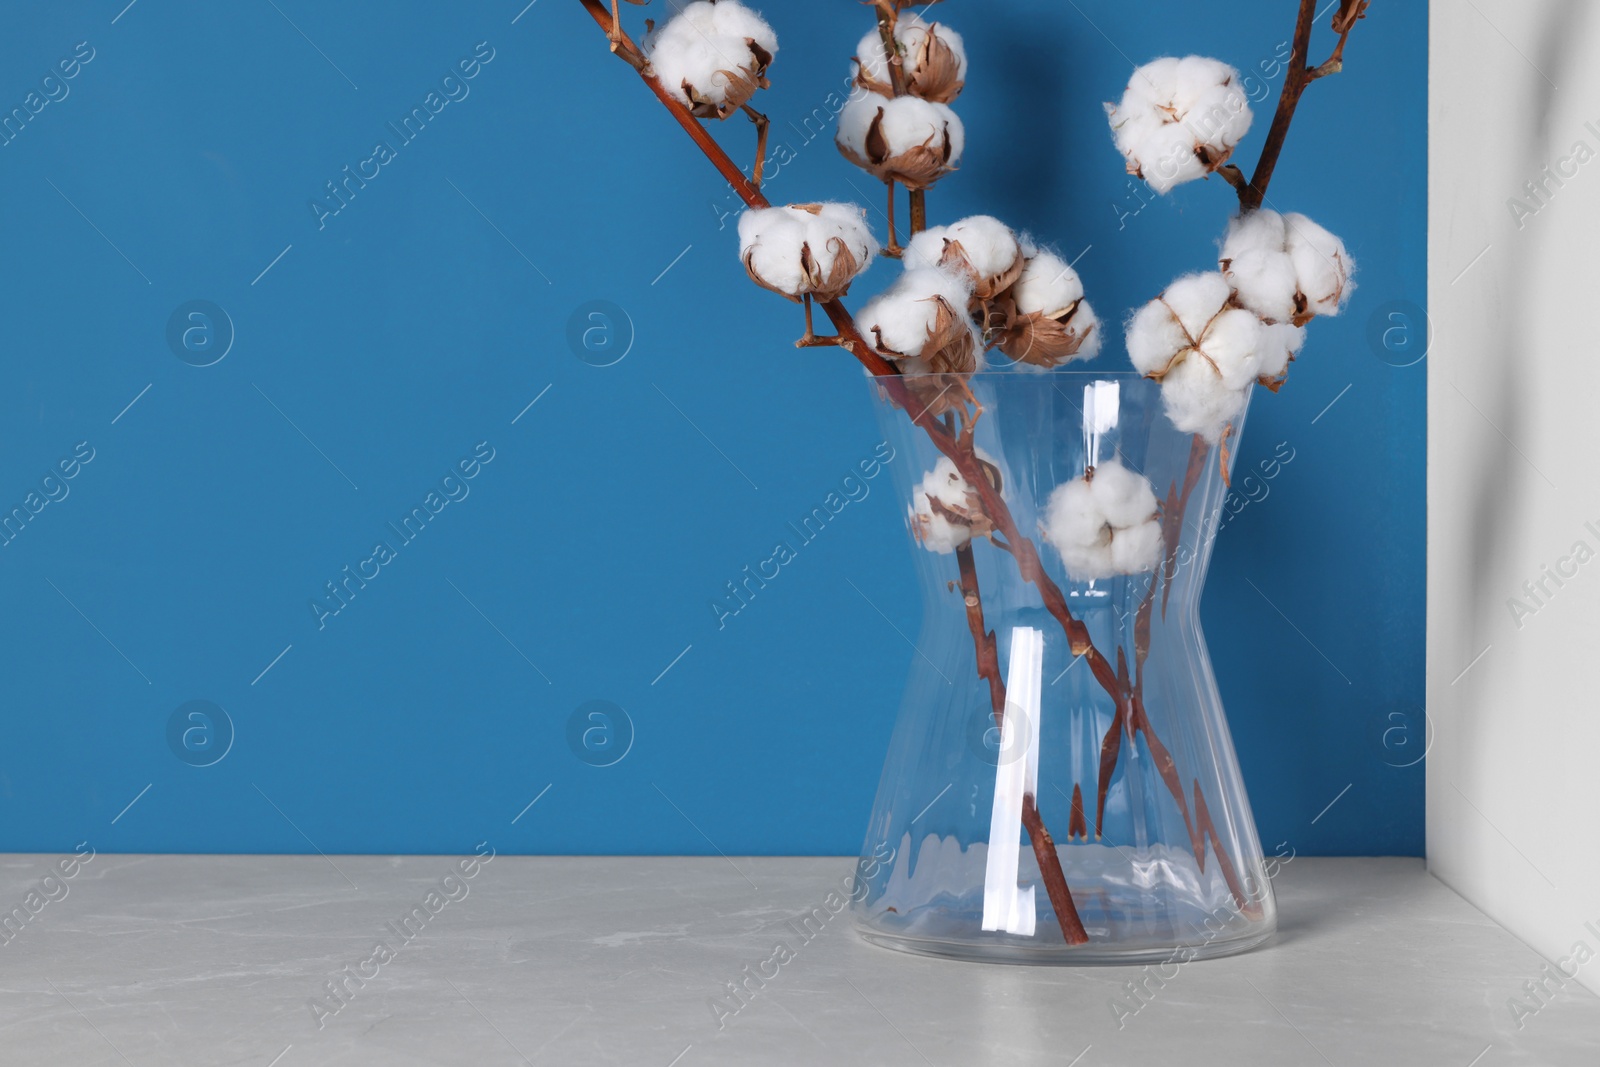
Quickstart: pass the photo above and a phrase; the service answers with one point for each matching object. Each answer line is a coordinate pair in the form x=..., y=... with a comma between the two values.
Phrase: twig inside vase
x=1044, y=847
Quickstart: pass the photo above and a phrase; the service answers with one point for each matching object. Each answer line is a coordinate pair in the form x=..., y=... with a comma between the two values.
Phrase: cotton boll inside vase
x=1123, y=496
x=1105, y=523
x=946, y=512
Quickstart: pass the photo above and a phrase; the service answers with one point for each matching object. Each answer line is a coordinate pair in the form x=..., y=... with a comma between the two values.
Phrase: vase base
x=1061, y=955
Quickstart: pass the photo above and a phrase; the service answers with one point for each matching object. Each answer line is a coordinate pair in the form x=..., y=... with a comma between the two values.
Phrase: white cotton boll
x=1280, y=344
x=1179, y=119
x=936, y=533
x=732, y=19
x=1048, y=322
x=1153, y=84
x=906, y=139
x=1286, y=268
x=1204, y=352
x=697, y=18
x=855, y=121
x=959, y=514
x=1173, y=324
x=1232, y=346
x=933, y=60
x=770, y=243
x=905, y=320
x=1048, y=286
x=1137, y=549
x=1123, y=496
x=806, y=249
x=909, y=122
x=1105, y=525
x=1257, y=264
x=982, y=248
x=870, y=59
x=712, y=57
x=681, y=59
x=1075, y=528
x=1154, y=338
x=925, y=250
x=1196, y=299
x=988, y=244
x=837, y=229
x=1198, y=401
x=910, y=33
x=1087, y=323
x=1322, y=264
x=1168, y=160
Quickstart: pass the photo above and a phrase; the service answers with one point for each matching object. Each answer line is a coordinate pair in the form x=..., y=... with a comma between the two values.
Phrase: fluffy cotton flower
x=933, y=59
x=1048, y=322
x=923, y=317
x=1105, y=523
x=905, y=139
x=1179, y=120
x=946, y=512
x=1204, y=352
x=712, y=57
x=1281, y=342
x=806, y=249
x=1286, y=268
x=981, y=248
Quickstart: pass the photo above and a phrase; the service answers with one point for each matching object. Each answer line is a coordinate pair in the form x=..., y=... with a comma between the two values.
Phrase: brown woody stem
x=1300, y=74
x=888, y=24
x=1344, y=22
x=892, y=249
x=762, y=123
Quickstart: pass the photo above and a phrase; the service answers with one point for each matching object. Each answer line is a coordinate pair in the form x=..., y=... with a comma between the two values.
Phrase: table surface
x=222, y=960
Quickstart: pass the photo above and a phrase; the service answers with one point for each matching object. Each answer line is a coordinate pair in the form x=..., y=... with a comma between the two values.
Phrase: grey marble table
x=158, y=960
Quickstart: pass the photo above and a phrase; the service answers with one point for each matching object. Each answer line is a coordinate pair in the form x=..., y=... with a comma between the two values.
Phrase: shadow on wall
x=1557, y=53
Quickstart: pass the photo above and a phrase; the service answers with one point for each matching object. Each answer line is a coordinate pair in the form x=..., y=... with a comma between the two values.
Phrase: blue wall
x=375, y=350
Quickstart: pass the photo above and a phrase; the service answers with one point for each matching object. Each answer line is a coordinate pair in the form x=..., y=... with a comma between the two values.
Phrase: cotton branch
x=1300, y=75
x=888, y=24
x=1349, y=13
x=1019, y=546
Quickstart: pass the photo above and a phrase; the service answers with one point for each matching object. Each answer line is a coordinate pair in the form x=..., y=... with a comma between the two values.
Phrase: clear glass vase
x=1099, y=817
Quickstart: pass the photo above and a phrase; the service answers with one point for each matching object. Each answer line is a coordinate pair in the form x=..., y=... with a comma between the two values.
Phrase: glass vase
x=1099, y=816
